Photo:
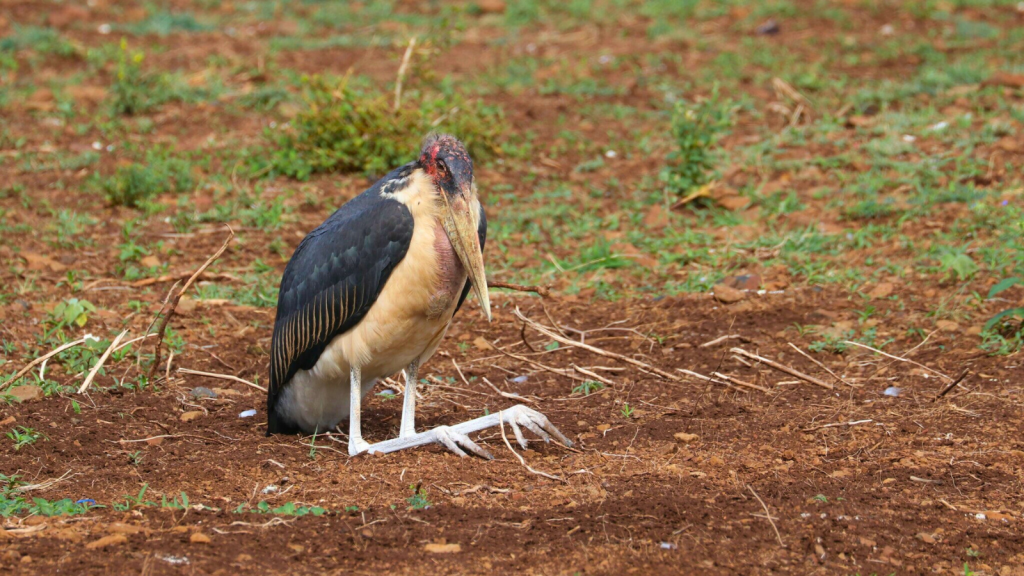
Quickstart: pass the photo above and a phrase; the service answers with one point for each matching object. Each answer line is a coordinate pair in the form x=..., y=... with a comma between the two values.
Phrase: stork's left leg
x=408, y=427
x=455, y=437
x=356, y=444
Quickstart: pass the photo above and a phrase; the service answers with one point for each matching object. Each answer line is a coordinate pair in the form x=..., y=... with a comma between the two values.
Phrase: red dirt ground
x=699, y=478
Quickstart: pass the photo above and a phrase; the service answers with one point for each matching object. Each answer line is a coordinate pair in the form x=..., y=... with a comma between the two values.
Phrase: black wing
x=481, y=231
x=331, y=281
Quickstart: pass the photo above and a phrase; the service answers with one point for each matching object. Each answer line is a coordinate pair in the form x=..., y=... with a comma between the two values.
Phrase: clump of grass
x=696, y=128
x=133, y=90
x=134, y=185
x=346, y=129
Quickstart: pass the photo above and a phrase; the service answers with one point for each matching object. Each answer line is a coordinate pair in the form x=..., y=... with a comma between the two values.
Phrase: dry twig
x=782, y=368
x=401, y=72
x=508, y=395
x=183, y=276
x=173, y=302
x=952, y=384
x=901, y=359
x=99, y=363
x=767, y=515
x=837, y=424
x=822, y=366
x=739, y=382
x=542, y=291
x=719, y=340
x=569, y=342
x=222, y=377
x=40, y=360
x=708, y=378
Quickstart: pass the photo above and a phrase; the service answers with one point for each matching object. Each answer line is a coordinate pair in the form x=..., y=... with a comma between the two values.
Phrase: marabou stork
x=372, y=291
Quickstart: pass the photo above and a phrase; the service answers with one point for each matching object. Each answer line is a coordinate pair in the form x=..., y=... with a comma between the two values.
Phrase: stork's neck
x=451, y=275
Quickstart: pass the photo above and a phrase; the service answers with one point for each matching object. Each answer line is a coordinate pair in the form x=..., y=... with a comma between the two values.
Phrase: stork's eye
x=442, y=169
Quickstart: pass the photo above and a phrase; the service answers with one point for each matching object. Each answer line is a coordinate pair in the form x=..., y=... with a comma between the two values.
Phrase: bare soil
x=665, y=477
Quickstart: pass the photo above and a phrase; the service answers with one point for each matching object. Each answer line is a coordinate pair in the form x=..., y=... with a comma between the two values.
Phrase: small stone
x=603, y=427
x=881, y=290
x=151, y=262
x=186, y=306
x=191, y=415
x=442, y=548
x=926, y=538
x=947, y=325
x=685, y=437
x=202, y=392
x=25, y=393
x=112, y=540
x=482, y=344
x=727, y=294
x=743, y=282
x=199, y=538
x=769, y=28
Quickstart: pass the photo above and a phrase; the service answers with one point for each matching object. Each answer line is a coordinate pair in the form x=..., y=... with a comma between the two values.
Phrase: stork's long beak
x=461, y=226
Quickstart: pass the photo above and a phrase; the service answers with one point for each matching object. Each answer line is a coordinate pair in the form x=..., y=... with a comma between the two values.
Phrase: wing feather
x=331, y=281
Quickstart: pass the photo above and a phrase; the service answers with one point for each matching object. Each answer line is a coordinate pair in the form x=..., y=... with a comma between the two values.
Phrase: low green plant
x=133, y=90
x=588, y=387
x=24, y=436
x=697, y=127
x=418, y=500
x=137, y=183
x=627, y=410
x=346, y=129
x=1004, y=333
x=71, y=312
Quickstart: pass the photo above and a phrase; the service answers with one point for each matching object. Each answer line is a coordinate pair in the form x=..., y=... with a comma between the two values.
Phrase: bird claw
x=456, y=441
x=533, y=421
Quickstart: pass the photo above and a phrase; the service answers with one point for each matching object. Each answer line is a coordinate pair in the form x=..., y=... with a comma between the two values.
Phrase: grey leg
x=408, y=427
x=356, y=444
x=455, y=437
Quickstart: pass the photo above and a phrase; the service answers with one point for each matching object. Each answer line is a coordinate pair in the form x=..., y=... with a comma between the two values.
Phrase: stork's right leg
x=356, y=444
x=408, y=427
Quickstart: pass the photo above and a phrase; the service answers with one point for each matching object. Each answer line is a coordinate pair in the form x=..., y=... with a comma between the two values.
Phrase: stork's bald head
x=450, y=169
x=448, y=165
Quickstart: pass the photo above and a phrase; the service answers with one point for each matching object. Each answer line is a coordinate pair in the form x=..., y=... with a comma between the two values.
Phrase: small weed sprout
x=1003, y=334
x=418, y=500
x=627, y=410
x=24, y=436
x=696, y=129
x=588, y=387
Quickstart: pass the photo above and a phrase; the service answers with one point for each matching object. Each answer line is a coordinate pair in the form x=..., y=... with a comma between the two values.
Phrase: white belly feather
x=406, y=323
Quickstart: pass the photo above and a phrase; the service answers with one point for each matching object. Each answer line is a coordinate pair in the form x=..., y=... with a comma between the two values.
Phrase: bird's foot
x=357, y=446
x=456, y=441
x=534, y=421
x=455, y=437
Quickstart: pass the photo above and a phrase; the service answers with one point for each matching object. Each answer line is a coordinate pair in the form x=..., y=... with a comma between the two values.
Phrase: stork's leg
x=456, y=438
x=356, y=444
x=408, y=427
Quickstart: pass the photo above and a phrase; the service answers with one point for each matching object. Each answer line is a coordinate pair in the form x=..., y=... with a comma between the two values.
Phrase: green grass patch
x=347, y=129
